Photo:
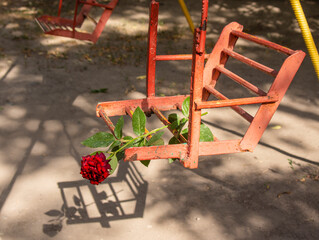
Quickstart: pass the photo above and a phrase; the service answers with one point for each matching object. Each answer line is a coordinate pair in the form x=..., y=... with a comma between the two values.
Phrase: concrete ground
x=47, y=107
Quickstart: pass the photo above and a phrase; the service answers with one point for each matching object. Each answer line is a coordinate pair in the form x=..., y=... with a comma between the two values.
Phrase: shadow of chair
x=120, y=197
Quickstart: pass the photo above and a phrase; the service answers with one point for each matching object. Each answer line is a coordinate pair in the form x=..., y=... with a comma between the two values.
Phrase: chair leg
x=195, y=95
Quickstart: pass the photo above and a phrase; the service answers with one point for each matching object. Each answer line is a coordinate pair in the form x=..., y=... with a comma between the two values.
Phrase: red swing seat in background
x=58, y=26
x=204, y=78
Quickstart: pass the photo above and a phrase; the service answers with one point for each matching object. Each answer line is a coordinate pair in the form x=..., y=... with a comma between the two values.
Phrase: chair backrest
x=269, y=101
x=84, y=12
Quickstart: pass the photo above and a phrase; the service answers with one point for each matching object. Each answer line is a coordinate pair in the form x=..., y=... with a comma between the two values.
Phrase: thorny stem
x=134, y=139
x=128, y=142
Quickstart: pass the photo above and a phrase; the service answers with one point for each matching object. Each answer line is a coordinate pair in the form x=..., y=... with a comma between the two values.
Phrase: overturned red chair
x=58, y=26
x=204, y=78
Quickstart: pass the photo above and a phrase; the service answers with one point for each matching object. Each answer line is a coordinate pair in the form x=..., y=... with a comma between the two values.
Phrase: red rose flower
x=95, y=168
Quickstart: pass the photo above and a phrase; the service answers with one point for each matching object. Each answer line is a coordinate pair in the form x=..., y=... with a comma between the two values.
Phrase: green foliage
x=171, y=160
x=138, y=121
x=173, y=118
x=291, y=164
x=185, y=107
x=113, y=162
x=101, y=90
x=118, y=128
x=155, y=139
x=117, y=143
x=173, y=140
x=205, y=134
x=100, y=139
x=146, y=162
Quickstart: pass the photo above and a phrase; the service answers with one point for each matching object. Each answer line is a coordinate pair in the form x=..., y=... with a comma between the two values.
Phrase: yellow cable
x=187, y=15
x=302, y=21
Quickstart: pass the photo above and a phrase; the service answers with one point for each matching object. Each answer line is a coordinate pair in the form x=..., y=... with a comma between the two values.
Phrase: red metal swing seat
x=58, y=26
x=203, y=81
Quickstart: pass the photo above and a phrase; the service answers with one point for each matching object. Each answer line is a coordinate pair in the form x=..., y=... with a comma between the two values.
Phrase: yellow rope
x=302, y=21
x=187, y=15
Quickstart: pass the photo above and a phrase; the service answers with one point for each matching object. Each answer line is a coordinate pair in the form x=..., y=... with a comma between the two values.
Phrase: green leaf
x=127, y=138
x=100, y=139
x=101, y=90
x=185, y=107
x=159, y=142
x=140, y=142
x=113, y=162
x=118, y=128
x=171, y=160
x=182, y=123
x=137, y=143
x=185, y=133
x=93, y=153
x=116, y=143
x=205, y=134
x=155, y=138
x=138, y=121
x=146, y=162
x=174, y=125
x=173, y=140
x=173, y=117
x=134, y=143
x=119, y=155
x=174, y=120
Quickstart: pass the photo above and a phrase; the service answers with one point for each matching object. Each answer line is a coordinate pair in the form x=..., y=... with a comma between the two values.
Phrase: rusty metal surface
x=250, y=62
x=116, y=108
x=156, y=152
x=165, y=121
x=204, y=78
x=108, y=121
x=226, y=40
x=240, y=81
x=236, y=108
x=219, y=147
x=176, y=57
x=57, y=26
x=263, y=42
x=151, y=52
x=266, y=111
x=271, y=98
x=196, y=90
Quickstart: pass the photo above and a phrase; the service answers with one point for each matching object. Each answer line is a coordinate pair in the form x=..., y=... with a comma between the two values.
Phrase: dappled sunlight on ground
x=49, y=87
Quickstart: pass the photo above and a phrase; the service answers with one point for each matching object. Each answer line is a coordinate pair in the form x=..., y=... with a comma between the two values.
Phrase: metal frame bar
x=240, y=80
x=237, y=109
x=60, y=7
x=60, y=25
x=203, y=81
x=263, y=42
x=165, y=121
x=250, y=62
x=152, y=45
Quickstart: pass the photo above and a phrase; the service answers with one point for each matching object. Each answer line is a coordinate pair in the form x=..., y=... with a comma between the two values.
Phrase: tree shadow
x=8, y=71
x=121, y=49
x=264, y=144
x=242, y=205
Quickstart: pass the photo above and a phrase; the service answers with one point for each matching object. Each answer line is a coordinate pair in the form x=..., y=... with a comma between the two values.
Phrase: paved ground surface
x=47, y=108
